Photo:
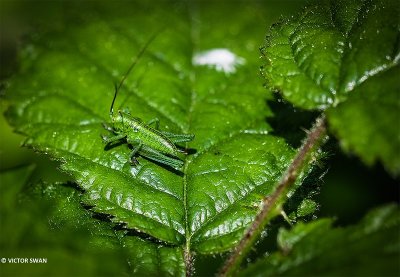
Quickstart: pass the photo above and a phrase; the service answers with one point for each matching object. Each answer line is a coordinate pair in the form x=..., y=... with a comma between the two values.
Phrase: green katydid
x=148, y=142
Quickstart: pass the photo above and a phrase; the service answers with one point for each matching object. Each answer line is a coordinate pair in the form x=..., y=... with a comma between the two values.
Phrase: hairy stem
x=188, y=262
x=272, y=203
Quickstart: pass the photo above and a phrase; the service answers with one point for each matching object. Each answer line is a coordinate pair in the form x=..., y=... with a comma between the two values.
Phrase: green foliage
x=58, y=229
x=63, y=94
x=372, y=117
x=318, y=249
x=25, y=232
x=343, y=56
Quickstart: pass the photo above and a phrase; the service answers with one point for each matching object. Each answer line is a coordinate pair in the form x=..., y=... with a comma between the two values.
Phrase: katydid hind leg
x=176, y=138
x=161, y=158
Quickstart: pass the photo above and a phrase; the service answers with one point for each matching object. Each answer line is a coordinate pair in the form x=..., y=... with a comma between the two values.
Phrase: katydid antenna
x=138, y=56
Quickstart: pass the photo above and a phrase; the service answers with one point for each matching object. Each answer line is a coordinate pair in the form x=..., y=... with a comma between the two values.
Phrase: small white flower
x=220, y=58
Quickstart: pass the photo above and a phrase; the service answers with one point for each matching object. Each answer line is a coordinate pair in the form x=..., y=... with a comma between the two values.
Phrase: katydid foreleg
x=133, y=153
x=108, y=140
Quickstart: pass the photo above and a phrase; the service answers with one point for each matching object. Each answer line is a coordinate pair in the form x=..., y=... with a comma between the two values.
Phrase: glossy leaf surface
x=63, y=93
x=48, y=222
x=343, y=56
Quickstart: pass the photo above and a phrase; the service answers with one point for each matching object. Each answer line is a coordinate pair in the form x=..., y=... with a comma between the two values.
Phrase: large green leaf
x=48, y=222
x=368, y=248
x=63, y=94
x=344, y=52
x=368, y=123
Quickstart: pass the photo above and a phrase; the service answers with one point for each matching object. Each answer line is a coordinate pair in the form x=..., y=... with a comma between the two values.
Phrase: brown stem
x=188, y=262
x=313, y=138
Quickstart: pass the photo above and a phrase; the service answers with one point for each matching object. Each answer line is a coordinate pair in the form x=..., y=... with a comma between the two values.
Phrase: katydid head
x=121, y=122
